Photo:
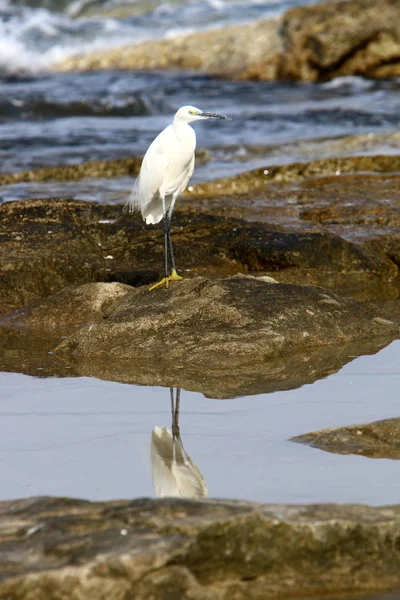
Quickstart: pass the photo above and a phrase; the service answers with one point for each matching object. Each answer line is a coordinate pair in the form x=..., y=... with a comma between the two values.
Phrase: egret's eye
x=192, y=112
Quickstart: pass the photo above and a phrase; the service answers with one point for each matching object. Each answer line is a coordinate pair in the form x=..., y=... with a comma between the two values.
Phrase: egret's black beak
x=210, y=115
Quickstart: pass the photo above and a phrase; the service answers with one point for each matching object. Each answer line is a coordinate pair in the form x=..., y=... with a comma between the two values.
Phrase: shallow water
x=72, y=118
x=116, y=113
x=87, y=438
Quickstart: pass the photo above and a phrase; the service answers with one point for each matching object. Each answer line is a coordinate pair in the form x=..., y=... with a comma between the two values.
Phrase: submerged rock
x=47, y=245
x=30, y=351
x=317, y=42
x=28, y=338
x=64, y=548
x=380, y=439
x=283, y=372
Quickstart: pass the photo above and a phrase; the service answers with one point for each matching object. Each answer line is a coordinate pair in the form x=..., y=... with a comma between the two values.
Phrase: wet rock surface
x=219, y=326
x=360, y=37
x=380, y=439
x=356, y=198
x=318, y=42
x=297, y=172
x=119, y=167
x=47, y=245
x=235, y=51
x=99, y=168
x=64, y=548
x=27, y=346
x=72, y=306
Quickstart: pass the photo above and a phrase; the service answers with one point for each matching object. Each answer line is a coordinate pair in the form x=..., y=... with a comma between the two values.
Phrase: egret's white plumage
x=164, y=174
x=166, y=168
x=174, y=473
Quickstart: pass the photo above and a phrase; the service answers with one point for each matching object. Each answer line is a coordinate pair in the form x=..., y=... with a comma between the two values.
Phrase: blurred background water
x=67, y=118
x=33, y=34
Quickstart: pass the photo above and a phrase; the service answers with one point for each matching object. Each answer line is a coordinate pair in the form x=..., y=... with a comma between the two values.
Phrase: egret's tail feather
x=150, y=207
x=133, y=202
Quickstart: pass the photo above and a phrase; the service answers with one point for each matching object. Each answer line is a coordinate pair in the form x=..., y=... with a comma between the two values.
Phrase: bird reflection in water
x=174, y=473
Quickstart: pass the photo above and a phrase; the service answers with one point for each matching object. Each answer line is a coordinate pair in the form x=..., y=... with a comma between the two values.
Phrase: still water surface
x=88, y=438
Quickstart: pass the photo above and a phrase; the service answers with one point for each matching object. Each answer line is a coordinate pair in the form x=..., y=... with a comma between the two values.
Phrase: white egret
x=164, y=174
x=174, y=473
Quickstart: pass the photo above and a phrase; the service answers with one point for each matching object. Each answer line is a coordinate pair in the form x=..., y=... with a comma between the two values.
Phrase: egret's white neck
x=181, y=128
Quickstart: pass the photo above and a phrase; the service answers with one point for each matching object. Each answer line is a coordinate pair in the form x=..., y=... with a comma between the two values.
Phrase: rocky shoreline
x=308, y=43
x=209, y=550
x=327, y=223
x=302, y=276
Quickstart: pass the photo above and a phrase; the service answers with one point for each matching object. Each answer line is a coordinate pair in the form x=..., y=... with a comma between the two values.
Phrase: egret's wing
x=189, y=481
x=174, y=473
x=151, y=177
x=161, y=462
x=178, y=180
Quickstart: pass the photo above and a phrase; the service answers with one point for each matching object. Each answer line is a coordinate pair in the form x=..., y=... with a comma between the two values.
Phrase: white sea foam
x=33, y=39
x=352, y=82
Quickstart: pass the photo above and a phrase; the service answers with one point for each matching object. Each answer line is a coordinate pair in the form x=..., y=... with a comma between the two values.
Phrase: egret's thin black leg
x=171, y=395
x=168, y=250
x=175, y=402
x=166, y=237
x=171, y=249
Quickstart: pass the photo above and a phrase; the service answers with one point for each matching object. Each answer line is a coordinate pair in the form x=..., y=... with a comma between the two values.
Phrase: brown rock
x=360, y=37
x=209, y=550
x=314, y=42
x=380, y=439
x=221, y=326
x=119, y=167
x=29, y=349
x=72, y=306
x=98, y=168
x=362, y=207
x=47, y=245
x=239, y=50
x=256, y=180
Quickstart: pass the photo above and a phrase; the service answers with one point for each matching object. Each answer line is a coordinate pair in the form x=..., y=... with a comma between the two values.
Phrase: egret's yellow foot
x=173, y=277
x=159, y=283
